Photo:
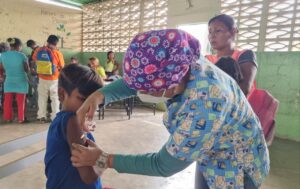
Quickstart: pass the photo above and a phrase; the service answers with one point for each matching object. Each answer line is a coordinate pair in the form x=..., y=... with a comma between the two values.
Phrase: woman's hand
x=85, y=156
x=88, y=108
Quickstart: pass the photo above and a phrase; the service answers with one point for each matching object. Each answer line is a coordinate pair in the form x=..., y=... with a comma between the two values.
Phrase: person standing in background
x=33, y=77
x=15, y=65
x=32, y=44
x=222, y=33
x=48, y=83
x=4, y=46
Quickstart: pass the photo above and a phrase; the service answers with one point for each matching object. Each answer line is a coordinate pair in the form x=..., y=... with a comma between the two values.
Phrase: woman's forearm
x=152, y=164
x=117, y=90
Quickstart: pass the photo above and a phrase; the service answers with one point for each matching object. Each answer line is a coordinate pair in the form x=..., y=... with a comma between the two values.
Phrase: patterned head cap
x=158, y=60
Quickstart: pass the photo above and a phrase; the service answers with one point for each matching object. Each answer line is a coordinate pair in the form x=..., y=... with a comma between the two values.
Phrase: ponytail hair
x=14, y=42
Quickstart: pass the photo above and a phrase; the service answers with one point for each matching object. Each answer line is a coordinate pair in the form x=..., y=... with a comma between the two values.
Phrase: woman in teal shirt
x=208, y=116
x=15, y=65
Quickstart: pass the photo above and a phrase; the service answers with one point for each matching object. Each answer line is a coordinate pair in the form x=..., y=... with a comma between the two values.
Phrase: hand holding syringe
x=89, y=126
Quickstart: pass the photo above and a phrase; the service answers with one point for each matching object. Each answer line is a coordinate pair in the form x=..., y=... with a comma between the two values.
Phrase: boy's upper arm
x=74, y=134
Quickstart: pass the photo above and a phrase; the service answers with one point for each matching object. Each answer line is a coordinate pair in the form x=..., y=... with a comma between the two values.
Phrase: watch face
x=101, y=164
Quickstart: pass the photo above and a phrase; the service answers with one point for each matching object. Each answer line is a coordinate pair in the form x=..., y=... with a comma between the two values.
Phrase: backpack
x=44, y=61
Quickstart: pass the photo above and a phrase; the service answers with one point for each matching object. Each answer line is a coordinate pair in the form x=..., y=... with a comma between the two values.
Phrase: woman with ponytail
x=15, y=65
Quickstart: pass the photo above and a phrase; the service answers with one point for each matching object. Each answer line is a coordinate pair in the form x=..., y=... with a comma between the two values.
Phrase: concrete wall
x=28, y=19
x=200, y=11
x=279, y=73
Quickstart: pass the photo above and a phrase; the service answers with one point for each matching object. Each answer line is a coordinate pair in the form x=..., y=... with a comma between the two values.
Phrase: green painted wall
x=279, y=73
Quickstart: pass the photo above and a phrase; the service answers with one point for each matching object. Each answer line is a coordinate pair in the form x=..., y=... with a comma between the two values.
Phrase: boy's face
x=70, y=102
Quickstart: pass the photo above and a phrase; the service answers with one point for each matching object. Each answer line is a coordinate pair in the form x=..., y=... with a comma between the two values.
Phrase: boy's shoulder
x=62, y=119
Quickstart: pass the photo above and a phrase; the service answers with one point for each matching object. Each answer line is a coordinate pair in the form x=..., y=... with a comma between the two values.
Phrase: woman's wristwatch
x=101, y=163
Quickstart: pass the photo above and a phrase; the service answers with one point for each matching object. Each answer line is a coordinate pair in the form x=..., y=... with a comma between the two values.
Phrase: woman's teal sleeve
x=117, y=90
x=152, y=164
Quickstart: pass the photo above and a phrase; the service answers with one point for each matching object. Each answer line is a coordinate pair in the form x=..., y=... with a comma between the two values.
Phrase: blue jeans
x=200, y=182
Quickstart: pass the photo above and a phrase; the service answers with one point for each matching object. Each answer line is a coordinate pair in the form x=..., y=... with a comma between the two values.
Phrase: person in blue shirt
x=208, y=116
x=75, y=84
x=15, y=66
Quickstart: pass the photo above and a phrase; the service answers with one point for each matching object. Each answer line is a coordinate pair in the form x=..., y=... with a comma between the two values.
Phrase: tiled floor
x=143, y=133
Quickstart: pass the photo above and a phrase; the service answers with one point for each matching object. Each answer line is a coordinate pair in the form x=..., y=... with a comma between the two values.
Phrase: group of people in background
x=19, y=77
x=208, y=117
x=15, y=65
x=22, y=77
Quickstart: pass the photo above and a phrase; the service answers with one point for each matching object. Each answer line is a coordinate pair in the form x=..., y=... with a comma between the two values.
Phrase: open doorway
x=200, y=31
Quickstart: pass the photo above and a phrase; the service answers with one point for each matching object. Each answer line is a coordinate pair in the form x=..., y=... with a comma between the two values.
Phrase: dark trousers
x=200, y=182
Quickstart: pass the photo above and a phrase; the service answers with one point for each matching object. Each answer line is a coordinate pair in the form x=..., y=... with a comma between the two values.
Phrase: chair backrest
x=265, y=106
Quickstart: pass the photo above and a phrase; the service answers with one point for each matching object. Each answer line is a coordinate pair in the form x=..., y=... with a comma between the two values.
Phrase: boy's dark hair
x=53, y=39
x=73, y=58
x=30, y=43
x=81, y=77
x=14, y=42
x=227, y=20
x=108, y=53
x=230, y=66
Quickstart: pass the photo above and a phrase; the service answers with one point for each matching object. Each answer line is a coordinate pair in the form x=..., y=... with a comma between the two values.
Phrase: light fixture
x=65, y=5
